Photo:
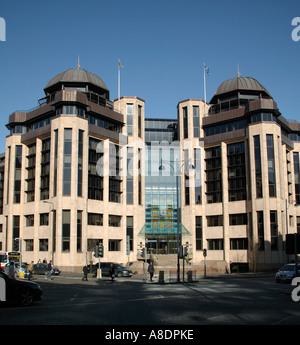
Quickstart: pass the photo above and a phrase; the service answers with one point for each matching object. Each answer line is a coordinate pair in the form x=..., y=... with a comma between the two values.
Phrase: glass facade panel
x=271, y=165
x=95, y=181
x=18, y=169
x=257, y=155
x=236, y=171
x=297, y=177
x=67, y=161
x=129, y=113
x=66, y=230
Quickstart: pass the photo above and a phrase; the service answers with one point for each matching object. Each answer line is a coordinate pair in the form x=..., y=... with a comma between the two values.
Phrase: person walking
x=30, y=270
x=151, y=270
x=85, y=273
x=112, y=272
x=11, y=270
x=48, y=276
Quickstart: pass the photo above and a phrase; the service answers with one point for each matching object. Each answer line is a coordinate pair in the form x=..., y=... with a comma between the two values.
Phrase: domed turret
x=77, y=78
x=245, y=85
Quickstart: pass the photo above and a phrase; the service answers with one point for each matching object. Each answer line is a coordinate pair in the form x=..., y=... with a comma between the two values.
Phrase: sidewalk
x=169, y=277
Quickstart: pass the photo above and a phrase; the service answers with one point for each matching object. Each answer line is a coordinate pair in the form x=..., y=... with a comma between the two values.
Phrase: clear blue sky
x=162, y=45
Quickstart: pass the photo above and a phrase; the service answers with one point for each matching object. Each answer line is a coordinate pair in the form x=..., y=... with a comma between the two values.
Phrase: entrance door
x=172, y=247
x=151, y=246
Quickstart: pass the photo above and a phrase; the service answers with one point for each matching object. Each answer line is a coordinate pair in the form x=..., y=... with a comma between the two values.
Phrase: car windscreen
x=287, y=268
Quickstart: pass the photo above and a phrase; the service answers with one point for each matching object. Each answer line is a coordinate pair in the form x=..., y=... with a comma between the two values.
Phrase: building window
x=196, y=122
x=213, y=174
x=114, y=245
x=185, y=122
x=238, y=243
x=67, y=161
x=215, y=244
x=44, y=218
x=238, y=219
x=129, y=231
x=214, y=220
x=260, y=230
x=129, y=178
x=297, y=177
x=274, y=230
x=45, y=169
x=54, y=231
x=298, y=225
x=186, y=176
x=16, y=229
x=257, y=155
x=115, y=181
x=18, y=170
x=199, y=235
x=129, y=114
x=198, y=186
x=80, y=152
x=95, y=219
x=43, y=245
x=271, y=165
x=139, y=121
x=139, y=177
x=55, y=162
x=79, y=231
x=29, y=245
x=95, y=178
x=8, y=175
x=66, y=226
x=263, y=117
x=114, y=221
x=31, y=172
x=1, y=190
x=30, y=220
x=226, y=127
x=236, y=172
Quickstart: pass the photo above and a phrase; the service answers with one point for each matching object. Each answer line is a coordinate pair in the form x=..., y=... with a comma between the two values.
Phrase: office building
x=80, y=169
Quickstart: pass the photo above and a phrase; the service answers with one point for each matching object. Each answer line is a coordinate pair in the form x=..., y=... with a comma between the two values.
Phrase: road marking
x=146, y=298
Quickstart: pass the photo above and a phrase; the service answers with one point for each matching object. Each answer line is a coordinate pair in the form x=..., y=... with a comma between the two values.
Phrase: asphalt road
x=67, y=300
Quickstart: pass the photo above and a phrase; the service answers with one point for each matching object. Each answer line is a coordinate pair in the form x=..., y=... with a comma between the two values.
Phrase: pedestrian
x=112, y=272
x=151, y=270
x=11, y=270
x=49, y=268
x=85, y=273
x=30, y=270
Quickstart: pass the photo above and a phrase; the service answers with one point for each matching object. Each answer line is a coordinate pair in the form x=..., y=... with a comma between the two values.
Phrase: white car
x=24, y=272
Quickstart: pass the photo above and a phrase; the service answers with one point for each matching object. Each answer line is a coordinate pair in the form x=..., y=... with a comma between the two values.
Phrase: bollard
x=161, y=277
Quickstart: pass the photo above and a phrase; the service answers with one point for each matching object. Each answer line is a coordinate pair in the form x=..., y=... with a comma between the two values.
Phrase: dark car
x=120, y=270
x=43, y=269
x=286, y=273
x=19, y=291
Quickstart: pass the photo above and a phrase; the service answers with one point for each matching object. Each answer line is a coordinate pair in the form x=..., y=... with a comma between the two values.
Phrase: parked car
x=40, y=268
x=120, y=270
x=17, y=269
x=286, y=273
x=19, y=291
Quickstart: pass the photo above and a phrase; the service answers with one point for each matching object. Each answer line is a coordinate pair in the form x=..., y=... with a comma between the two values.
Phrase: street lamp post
x=161, y=167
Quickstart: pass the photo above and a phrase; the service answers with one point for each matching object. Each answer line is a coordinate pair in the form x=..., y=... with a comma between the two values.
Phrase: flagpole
x=204, y=70
x=119, y=85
